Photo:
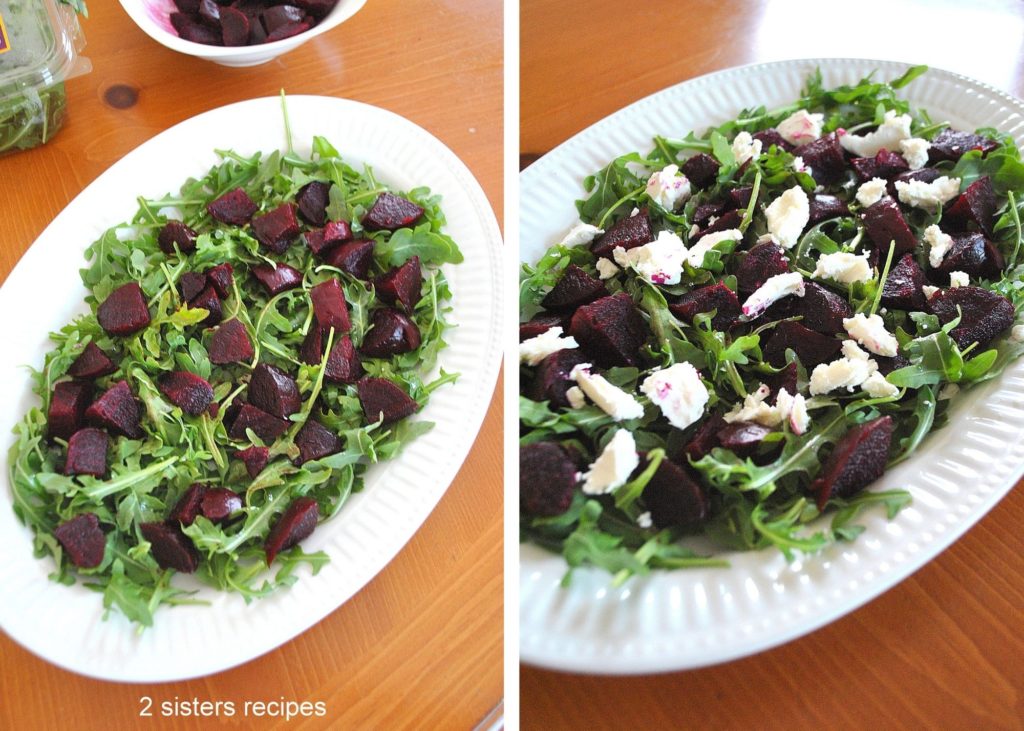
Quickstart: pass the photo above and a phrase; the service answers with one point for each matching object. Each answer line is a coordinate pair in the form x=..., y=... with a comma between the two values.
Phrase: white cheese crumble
x=915, y=152
x=787, y=408
x=539, y=347
x=847, y=372
x=929, y=196
x=575, y=397
x=774, y=288
x=581, y=233
x=606, y=268
x=794, y=410
x=871, y=333
x=644, y=520
x=871, y=192
x=611, y=399
x=678, y=392
x=876, y=386
x=613, y=466
x=929, y=291
x=959, y=279
x=938, y=244
x=893, y=129
x=800, y=127
x=659, y=262
x=843, y=267
x=695, y=257
x=668, y=188
x=1017, y=334
x=948, y=391
x=787, y=216
x=745, y=147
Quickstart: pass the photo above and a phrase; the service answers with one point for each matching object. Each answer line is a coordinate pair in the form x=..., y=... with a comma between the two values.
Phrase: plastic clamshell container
x=40, y=43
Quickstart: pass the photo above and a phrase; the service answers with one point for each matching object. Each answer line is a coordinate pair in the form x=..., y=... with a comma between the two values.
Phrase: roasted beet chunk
x=541, y=324
x=784, y=379
x=574, y=288
x=885, y=164
x=704, y=211
x=771, y=137
x=234, y=207
x=274, y=391
x=316, y=441
x=220, y=503
x=971, y=253
x=192, y=30
x=124, y=311
x=390, y=213
x=312, y=348
x=742, y=438
x=188, y=505
x=317, y=8
x=266, y=426
x=67, y=408
x=87, y=453
x=313, y=199
x=810, y=347
x=277, y=229
x=209, y=301
x=343, y=364
x=547, y=478
x=390, y=333
x=117, y=410
x=821, y=309
x=287, y=31
x=230, y=343
x=825, y=158
x=254, y=458
x=176, y=234
x=322, y=240
x=222, y=278
x=189, y=392
x=610, y=330
x=675, y=498
x=628, y=232
x=977, y=203
x=740, y=197
x=859, y=458
x=884, y=223
x=985, y=314
x=704, y=439
x=551, y=378
x=760, y=264
x=903, y=287
x=729, y=219
x=277, y=279
x=83, y=541
x=951, y=145
x=701, y=169
x=234, y=27
x=824, y=207
x=296, y=524
x=380, y=398
x=716, y=297
x=401, y=285
x=92, y=363
x=171, y=548
x=888, y=365
x=329, y=306
x=353, y=257
x=190, y=284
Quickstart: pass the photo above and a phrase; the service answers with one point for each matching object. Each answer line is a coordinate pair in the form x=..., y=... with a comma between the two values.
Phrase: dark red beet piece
x=189, y=392
x=784, y=379
x=230, y=343
x=335, y=232
x=771, y=137
x=124, y=312
x=825, y=158
x=190, y=284
x=277, y=229
x=704, y=211
x=628, y=232
x=884, y=223
x=888, y=365
x=822, y=309
x=610, y=330
x=222, y=278
x=761, y=263
x=83, y=541
x=234, y=207
x=574, y=288
x=277, y=279
x=67, y=408
x=209, y=13
x=551, y=378
x=188, y=505
x=187, y=6
x=547, y=479
x=255, y=459
x=390, y=213
x=823, y=207
x=274, y=391
x=209, y=301
x=314, y=241
x=390, y=333
x=885, y=164
x=194, y=31
x=950, y=144
x=343, y=365
x=317, y=8
x=92, y=363
x=380, y=397
x=220, y=503
x=742, y=438
x=740, y=197
x=703, y=440
x=859, y=458
x=87, y=453
x=701, y=169
x=977, y=203
x=234, y=27
x=323, y=240
x=353, y=257
x=985, y=314
x=674, y=498
x=729, y=219
x=296, y=524
x=329, y=306
x=714, y=297
x=287, y=31
x=541, y=324
x=171, y=548
x=176, y=233
x=278, y=15
x=315, y=441
x=266, y=426
x=117, y=410
x=810, y=347
x=971, y=253
x=312, y=199
x=313, y=345
x=401, y=285
x=903, y=289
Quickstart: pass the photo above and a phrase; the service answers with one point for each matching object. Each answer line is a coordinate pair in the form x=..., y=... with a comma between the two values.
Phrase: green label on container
x=5, y=46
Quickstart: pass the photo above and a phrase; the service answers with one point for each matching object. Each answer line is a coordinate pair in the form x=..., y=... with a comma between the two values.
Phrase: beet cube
x=825, y=158
x=985, y=314
x=277, y=279
x=704, y=439
x=705, y=299
x=220, y=503
x=312, y=199
x=823, y=207
x=221, y=277
x=322, y=240
x=192, y=30
x=278, y=15
x=274, y=391
x=903, y=289
x=402, y=285
x=742, y=438
x=971, y=253
x=950, y=144
x=885, y=164
x=729, y=219
x=234, y=207
x=171, y=548
x=83, y=541
x=315, y=441
x=117, y=410
x=234, y=27
x=704, y=211
x=188, y=505
x=87, y=453
x=313, y=346
x=266, y=426
x=977, y=203
x=176, y=233
x=771, y=137
x=547, y=479
x=92, y=363
x=674, y=498
x=884, y=223
x=821, y=309
x=287, y=31
x=390, y=333
x=67, y=408
x=353, y=257
x=701, y=169
x=124, y=312
x=740, y=197
x=611, y=330
x=857, y=460
x=295, y=525
x=810, y=347
x=551, y=378
x=189, y=392
x=277, y=229
x=190, y=284
x=317, y=8
x=255, y=459
x=784, y=379
x=541, y=324
x=209, y=301
x=628, y=232
x=329, y=306
x=761, y=263
x=230, y=343
x=335, y=232
x=888, y=365
x=382, y=399
x=390, y=213
x=574, y=288
x=343, y=365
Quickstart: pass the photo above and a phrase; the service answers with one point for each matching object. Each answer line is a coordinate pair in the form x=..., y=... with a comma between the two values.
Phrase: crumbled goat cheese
x=794, y=410
x=668, y=188
x=575, y=397
x=659, y=262
x=774, y=288
x=958, y=279
x=611, y=399
x=606, y=268
x=613, y=466
x=799, y=166
x=849, y=371
x=871, y=333
x=787, y=408
x=644, y=520
x=893, y=129
x=948, y=391
x=843, y=267
x=938, y=244
x=787, y=216
x=581, y=233
x=929, y=290
x=929, y=196
x=876, y=386
x=678, y=392
x=871, y=192
x=800, y=127
x=695, y=256
x=1017, y=334
x=745, y=147
x=537, y=348
x=915, y=152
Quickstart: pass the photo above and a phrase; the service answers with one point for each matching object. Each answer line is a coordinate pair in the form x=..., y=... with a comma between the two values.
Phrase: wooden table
x=943, y=649
x=421, y=645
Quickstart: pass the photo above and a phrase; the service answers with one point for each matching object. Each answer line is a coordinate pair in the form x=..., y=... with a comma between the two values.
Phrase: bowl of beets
x=237, y=32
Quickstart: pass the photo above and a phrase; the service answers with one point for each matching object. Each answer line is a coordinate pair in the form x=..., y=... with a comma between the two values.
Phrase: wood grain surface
x=421, y=645
x=943, y=649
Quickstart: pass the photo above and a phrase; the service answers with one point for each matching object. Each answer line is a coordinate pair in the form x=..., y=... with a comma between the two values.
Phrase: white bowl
x=153, y=16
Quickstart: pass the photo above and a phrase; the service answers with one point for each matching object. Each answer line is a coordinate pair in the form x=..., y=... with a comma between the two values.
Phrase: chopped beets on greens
x=834, y=270
x=219, y=400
